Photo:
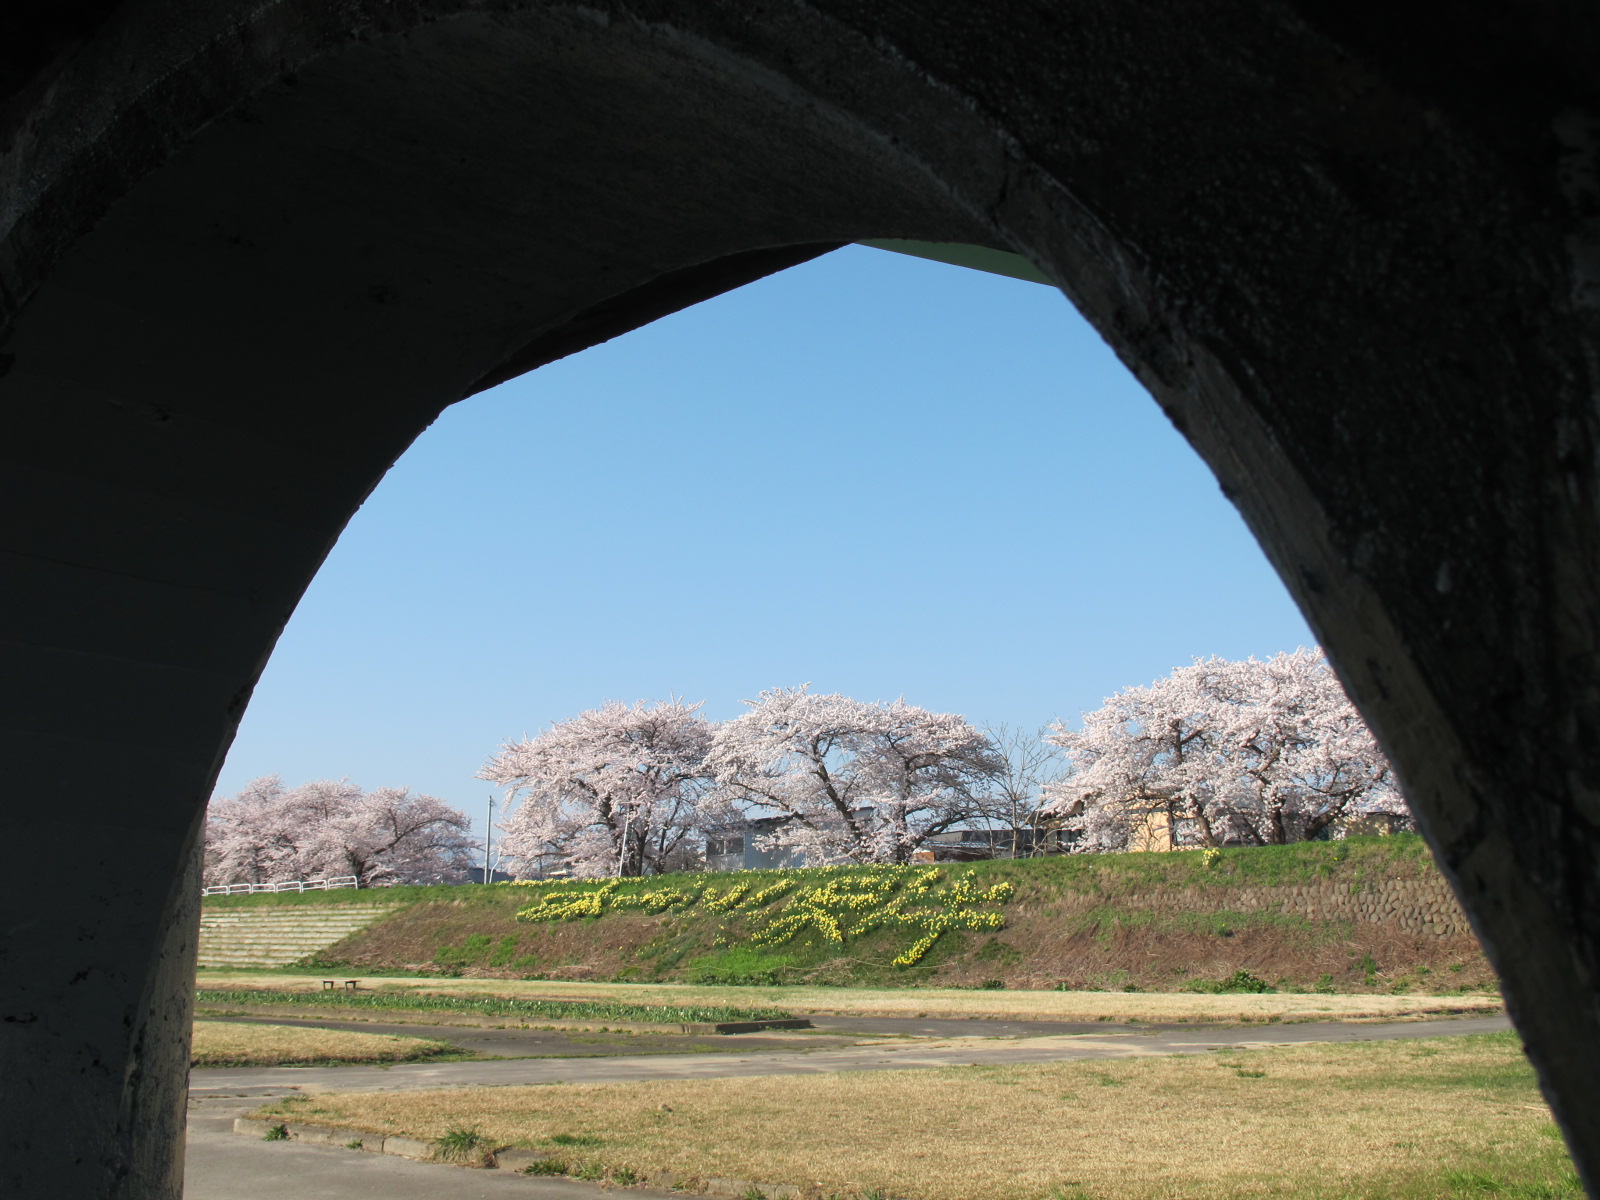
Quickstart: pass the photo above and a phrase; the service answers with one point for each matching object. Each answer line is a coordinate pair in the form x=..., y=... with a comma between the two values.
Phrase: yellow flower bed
x=849, y=902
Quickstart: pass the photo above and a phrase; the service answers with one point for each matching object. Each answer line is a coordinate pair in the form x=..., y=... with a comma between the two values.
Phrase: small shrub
x=1240, y=981
x=276, y=1133
x=458, y=1145
x=355, y=1145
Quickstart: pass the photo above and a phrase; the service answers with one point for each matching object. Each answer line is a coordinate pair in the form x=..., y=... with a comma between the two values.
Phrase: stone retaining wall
x=1420, y=906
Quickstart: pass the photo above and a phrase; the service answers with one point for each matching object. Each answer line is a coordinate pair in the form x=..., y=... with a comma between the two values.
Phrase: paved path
x=222, y=1165
x=981, y=1026
x=881, y=1056
x=493, y=1041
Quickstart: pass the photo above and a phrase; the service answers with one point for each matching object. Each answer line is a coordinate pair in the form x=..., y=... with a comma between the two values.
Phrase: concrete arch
x=250, y=251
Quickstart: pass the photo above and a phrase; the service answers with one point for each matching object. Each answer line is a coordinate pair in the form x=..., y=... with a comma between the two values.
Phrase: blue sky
x=878, y=474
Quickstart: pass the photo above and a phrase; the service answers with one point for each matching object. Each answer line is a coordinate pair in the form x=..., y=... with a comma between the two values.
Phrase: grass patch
x=460, y=1145
x=230, y=1044
x=740, y=966
x=493, y=1006
x=1391, y=1122
x=918, y=1002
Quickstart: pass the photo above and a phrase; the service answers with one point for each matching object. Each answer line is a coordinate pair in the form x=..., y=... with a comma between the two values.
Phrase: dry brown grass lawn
x=1397, y=1120
x=934, y=1002
x=230, y=1044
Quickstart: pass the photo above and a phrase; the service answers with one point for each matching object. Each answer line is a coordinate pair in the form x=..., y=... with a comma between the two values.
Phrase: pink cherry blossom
x=269, y=833
x=859, y=781
x=1254, y=752
x=615, y=790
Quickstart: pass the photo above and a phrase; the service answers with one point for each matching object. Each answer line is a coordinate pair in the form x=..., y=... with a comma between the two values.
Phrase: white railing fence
x=292, y=885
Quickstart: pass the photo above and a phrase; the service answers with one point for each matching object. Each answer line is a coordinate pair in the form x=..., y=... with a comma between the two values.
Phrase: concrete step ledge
x=278, y=935
x=261, y=931
x=296, y=914
x=272, y=939
x=279, y=914
x=252, y=943
x=513, y=1159
x=265, y=931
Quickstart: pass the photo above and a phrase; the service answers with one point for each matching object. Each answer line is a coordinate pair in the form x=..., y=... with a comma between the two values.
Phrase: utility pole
x=629, y=809
x=488, y=842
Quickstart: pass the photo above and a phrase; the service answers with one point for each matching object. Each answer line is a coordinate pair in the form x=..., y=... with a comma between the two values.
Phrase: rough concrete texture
x=248, y=251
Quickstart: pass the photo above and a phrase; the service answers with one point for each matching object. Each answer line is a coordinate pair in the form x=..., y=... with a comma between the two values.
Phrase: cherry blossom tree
x=269, y=833
x=616, y=790
x=859, y=781
x=1255, y=752
x=1304, y=755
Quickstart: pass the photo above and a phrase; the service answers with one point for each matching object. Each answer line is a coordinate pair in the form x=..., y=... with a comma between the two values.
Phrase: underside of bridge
x=248, y=251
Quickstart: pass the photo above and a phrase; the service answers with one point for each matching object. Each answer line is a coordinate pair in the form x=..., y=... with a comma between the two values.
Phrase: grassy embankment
x=1084, y=922
x=399, y=1002
x=1400, y=1120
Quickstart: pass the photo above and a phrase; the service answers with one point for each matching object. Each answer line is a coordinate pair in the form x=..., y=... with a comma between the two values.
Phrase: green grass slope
x=1127, y=921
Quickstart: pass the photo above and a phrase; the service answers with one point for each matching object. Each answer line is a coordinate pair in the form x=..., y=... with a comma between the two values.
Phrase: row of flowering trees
x=1219, y=753
x=623, y=789
x=1253, y=752
x=268, y=833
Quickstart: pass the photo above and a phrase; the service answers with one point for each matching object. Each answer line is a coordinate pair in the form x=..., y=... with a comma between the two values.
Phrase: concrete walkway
x=897, y=1055
x=222, y=1165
